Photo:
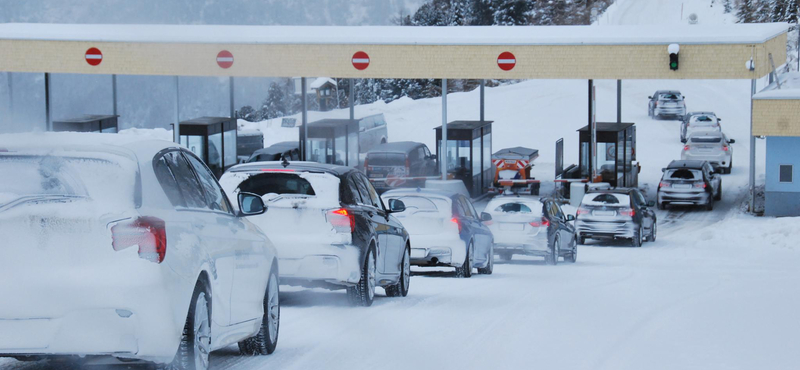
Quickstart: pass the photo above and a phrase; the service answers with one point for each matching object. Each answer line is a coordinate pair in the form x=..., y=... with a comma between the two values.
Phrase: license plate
x=682, y=186
x=604, y=213
x=512, y=227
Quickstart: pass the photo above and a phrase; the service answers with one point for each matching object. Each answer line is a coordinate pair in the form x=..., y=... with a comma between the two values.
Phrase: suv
x=689, y=182
x=400, y=164
x=699, y=121
x=666, y=103
x=329, y=225
x=620, y=213
x=712, y=146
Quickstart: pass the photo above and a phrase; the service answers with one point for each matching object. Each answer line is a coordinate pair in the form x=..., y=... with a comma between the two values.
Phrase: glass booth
x=88, y=123
x=469, y=154
x=616, y=154
x=333, y=141
x=213, y=139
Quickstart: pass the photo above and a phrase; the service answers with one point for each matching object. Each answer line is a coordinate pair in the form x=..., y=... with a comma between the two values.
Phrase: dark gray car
x=621, y=213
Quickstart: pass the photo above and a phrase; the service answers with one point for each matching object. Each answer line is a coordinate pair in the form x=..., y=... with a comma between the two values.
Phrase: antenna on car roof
x=284, y=162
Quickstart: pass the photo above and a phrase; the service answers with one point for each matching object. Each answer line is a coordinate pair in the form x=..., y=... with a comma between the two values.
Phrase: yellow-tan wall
x=776, y=117
x=717, y=61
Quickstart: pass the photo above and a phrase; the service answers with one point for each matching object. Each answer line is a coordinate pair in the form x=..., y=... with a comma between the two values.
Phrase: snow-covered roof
x=398, y=35
x=321, y=81
x=789, y=90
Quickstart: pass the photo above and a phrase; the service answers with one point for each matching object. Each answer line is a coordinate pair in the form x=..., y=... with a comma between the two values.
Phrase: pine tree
x=790, y=14
x=746, y=12
x=778, y=11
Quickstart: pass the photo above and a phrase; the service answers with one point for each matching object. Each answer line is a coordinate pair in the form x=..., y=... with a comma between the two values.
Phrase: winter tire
x=662, y=206
x=506, y=256
x=573, y=256
x=718, y=196
x=710, y=204
x=489, y=263
x=266, y=340
x=363, y=294
x=195, y=342
x=654, y=231
x=636, y=241
x=552, y=258
x=465, y=271
x=401, y=288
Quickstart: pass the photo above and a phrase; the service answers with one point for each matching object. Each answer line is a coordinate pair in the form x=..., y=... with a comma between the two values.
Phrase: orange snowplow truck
x=513, y=171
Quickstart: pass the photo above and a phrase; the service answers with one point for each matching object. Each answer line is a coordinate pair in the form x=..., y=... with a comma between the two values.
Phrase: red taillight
x=664, y=184
x=543, y=223
x=342, y=220
x=700, y=185
x=458, y=223
x=628, y=212
x=724, y=148
x=685, y=147
x=582, y=211
x=149, y=233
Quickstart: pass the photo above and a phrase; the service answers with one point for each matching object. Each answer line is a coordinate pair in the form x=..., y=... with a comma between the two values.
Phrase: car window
x=187, y=181
x=426, y=151
x=368, y=194
x=638, y=198
x=458, y=208
x=513, y=208
x=555, y=211
x=373, y=195
x=470, y=208
x=215, y=198
x=352, y=189
x=684, y=174
x=167, y=181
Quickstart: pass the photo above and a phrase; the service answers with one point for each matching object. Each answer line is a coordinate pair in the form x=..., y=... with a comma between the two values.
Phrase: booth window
x=194, y=143
x=786, y=173
x=230, y=147
x=215, y=152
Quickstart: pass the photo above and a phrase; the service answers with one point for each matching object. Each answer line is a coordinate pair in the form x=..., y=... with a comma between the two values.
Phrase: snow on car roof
x=398, y=35
x=139, y=145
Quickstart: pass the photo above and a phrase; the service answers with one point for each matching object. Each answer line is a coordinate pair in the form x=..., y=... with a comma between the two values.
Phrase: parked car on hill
x=128, y=248
x=699, y=121
x=689, y=182
x=330, y=227
x=621, y=213
x=446, y=230
x=711, y=146
x=666, y=103
x=532, y=226
x=399, y=164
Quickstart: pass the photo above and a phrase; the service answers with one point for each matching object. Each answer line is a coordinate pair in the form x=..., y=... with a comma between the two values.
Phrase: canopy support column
x=47, y=112
x=483, y=100
x=443, y=156
x=9, y=77
x=304, y=107
x=619, y=101
x=230, y=96
x=177, y=125
x=114, y=94
x=592, y=134
x=752, y=174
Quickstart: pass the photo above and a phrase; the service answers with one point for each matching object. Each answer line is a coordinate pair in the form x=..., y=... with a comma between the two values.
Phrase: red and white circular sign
x=360, y=60
x=225, y=59
x=506, y=61
x=93, y=56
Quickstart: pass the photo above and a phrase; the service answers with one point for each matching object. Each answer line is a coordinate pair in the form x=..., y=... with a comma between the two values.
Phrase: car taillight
x=149, y=233
x=700, y=185
x=724, y=148
x=457, y=222
x=582, y=211
x=342, y=220
x=543, y=223
x=664, y=184
x=627, y=212
x=685, y=147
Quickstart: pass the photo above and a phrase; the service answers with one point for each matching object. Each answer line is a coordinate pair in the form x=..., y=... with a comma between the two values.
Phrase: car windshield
x=684, y=174
x=386, y=159
x=606, y=199
x=704, y=119
x=706, y=139
x=515, y=208
x=110, y=180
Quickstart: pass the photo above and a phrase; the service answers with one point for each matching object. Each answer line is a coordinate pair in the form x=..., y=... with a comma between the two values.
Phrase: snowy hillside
x=667, y=12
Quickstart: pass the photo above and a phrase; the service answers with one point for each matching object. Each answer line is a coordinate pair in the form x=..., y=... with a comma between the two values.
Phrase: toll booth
x=213, y=139
x=88, y=123
x=616, y=154
x=469, y=154
x=333, y=141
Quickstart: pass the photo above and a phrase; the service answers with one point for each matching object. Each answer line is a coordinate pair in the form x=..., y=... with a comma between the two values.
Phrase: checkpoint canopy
x=476, y=52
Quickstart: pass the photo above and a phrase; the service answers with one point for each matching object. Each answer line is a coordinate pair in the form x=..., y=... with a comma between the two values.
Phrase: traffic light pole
x=752, y=174
x=443, y=156
x=592, y=134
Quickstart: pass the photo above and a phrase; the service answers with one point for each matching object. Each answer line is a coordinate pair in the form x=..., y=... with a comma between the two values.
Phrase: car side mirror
x=251, y=204
x=396, y=206
x=664, y=169
x=731, y=141
x=719, y=119
x=650, y=97
x=651, y=203
x=570, y=218
x=485, y=216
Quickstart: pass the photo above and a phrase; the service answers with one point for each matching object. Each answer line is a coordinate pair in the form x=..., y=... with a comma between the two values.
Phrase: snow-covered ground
x=717, y=290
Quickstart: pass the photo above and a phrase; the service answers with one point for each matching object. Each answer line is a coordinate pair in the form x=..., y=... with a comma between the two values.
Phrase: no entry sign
x=360, y=60
x=225, y=59
x=93, y=56
x=506, y=61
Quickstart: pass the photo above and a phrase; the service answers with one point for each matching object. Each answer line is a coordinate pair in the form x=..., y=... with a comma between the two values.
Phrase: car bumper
x=131, y=312
x=716, y=160
x=437, y=250
x=605, y=229
x=685, y=197
x=535, y=245
x=670, y=111
x=337, y=264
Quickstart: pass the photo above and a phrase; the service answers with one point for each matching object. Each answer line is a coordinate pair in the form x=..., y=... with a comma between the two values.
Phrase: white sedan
x=119, y=248
x=711, y=146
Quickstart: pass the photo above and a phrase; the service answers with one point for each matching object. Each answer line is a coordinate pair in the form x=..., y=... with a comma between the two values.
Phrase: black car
x=399, y=165
x=287, y=149
x=329, y=226
x=621, y=213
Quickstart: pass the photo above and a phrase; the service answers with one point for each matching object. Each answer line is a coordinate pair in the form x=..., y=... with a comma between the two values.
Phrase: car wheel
x=505, y=256
x=573, y=256
x=195, y=342
x=710, y=204
x=719, y=193
x=363, y=294
x=581, y=240
x=636, y=241
x=465, y=271
x=266, y=340
x=401, y=288
x=489, y=263
x=552, y=258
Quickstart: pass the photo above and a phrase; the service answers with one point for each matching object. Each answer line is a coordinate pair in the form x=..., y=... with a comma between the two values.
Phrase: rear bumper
x=686, y=197
x=670, y=111
x=605, y=229
x=718, y=160
x=337, y=264
x=438, y=250
x=130, y=312
x=535, y=245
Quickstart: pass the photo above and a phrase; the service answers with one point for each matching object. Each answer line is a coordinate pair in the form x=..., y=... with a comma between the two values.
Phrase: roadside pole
x=752, y=176
x=177, y=127
x=304, y=107
x=592, y=134
x=47, y=112
x=443, y=155
x=230, y=96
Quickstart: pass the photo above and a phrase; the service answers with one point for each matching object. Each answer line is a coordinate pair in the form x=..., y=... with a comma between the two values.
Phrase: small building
x=213, y=139
x=469, y=154
x=88, y=123
x=344, y=142
x=616, y=154
x=327, y=93
x=776, y=116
